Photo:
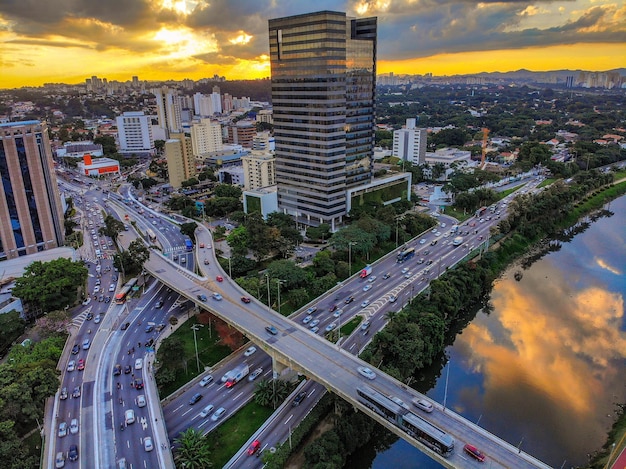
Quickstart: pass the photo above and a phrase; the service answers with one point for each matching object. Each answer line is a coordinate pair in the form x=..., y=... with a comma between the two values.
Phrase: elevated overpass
x=301, y=350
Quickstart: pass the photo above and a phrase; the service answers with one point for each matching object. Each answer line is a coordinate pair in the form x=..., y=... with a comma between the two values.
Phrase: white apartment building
x=206, y=137
x=259, y=169
x=409, y=143
x=264, y=115
x=135, y=133
x=168, y=110
x=263, y=141
x=181, y=164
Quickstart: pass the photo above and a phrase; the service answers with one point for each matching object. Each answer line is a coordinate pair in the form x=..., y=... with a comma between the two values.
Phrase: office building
x=135, y=133
x=323, y=93
x=31, y=214
x=242, y=133
x=98, y=166
x=409, y=143
x=263, y=141
x=181, y=165
x=206, y=137
x=258, y=169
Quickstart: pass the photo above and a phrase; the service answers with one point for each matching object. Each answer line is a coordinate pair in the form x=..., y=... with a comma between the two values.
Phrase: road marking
x=312, y=392
x=238, y=396
x=203, y=423
x=185, y=413
x=287, y=421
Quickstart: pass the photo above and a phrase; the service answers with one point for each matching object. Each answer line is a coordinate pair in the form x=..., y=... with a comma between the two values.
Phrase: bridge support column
x=282, y=371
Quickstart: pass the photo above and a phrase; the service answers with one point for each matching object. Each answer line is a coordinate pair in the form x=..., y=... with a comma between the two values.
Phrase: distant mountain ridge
x=522, y=74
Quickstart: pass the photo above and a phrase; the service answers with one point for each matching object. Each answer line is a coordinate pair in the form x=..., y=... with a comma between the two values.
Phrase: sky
x=66, y=41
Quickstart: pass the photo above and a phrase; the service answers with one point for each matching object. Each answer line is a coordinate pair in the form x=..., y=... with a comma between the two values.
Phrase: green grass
x=459, y=215
x=547, y=182
x=232, y=434
x=503, y=194
x=33, y=443
x=350, y=326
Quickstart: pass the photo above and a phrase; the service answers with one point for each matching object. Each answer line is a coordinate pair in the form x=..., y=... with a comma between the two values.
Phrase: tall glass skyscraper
x=31, y=216
x=323, y=95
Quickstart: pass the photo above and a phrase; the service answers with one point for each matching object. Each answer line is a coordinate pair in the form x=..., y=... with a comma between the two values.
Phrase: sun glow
x=243, y=38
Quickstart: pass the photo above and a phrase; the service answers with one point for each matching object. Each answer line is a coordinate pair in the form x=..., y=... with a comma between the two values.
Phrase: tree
x=108, y=144
x=51, y=285
x=112, y=227
x=131, y=261
x=286, y=270
x=318, y=233
x=189, y=229
x=192, y=450
x=11, y=327
x=226, y=190
x=271, y=392
x=238, y=241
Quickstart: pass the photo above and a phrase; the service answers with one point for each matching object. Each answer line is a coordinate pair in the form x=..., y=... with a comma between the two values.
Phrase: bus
x=405, y=255
x=151, y=235
x=480, y=211
x=120, y=298
x=188, y=245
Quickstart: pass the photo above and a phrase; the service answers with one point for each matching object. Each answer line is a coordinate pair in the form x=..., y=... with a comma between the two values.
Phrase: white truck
x=457, y=241
x=237, y=374
x=366, y=271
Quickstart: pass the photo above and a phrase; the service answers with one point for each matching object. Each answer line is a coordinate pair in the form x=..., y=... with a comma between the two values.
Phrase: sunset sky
x=70, y=40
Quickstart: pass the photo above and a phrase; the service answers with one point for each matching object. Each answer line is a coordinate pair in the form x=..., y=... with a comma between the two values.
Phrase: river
x=545, y=367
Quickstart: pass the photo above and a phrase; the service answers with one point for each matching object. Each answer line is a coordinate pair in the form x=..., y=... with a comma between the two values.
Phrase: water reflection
x=546, y=366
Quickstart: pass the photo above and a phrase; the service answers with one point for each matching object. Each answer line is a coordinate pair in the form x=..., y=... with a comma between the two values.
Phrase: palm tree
x=193, y=451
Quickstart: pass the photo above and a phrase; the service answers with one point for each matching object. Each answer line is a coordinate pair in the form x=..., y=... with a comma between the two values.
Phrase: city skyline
x=70, y=40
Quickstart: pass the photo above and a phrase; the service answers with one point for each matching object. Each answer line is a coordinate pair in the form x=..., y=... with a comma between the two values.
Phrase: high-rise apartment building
x=181, y=164
x=31, y=215
x=323, y=94
x=168, y=110
x=206, y=137
x=258, y=169
x=135, y=133
x=242, y=133
x=409, y=143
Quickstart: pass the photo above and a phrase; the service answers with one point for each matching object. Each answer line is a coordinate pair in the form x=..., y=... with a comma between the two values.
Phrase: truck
x=237, y=374
x=457, y=241
x=366, y=271
x=454, y=228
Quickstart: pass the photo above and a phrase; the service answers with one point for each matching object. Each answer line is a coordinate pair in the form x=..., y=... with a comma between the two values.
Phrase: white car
x=393, y=299
x=423, y=404
x=315, y=329
x=218, y=414
x=338, y=313
x=206, y=380
x=147, y=444
x=307, y=319
x=365, y=303
x=71, y=366
x=141, y=400
x=62, y=429
x=74, y=426
x=372, y=278
x=408, y=275
x=207, y=410
x=249, y=351
x=422, y=241
x=367, y=287
x=438, y=233
x=405, y=270
x=364, y=371
x=138, y=364
x=255, y=374
x=434, y=230
x=330, y=327
x=314, y=323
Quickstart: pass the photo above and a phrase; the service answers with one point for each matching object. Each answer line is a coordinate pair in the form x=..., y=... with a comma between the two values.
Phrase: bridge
x=296, y=348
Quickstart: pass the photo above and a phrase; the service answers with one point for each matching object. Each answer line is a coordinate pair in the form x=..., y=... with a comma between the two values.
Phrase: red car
x=201, y=245
x=474, y=452
x=332, y=308
x=254, y=447
x=219, y=278
x=81, y=364
x=245, y=299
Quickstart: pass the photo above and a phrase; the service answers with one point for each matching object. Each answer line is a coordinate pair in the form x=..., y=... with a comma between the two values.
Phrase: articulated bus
x=120, y=298
x=405, y=255
x=188, y=245
x=480, y=211
x=151, y=235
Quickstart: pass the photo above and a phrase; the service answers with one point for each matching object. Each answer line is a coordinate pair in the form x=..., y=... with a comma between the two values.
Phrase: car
x=219, y=278
x=129, y=416
x=433, y=242
x=147, y=443
x=121, y=464
x=86, y=344
x=74, y=426
x=206, y=262
x=96, y=289
x=89, y=316
x=386, y=276
x=141, y=400
x=255, y=374
x=149, y=328
x=314, y=323
x=420, y=260
x=63, y=394
x=138, y=364
x=202, y=297
x=81, y=364
x=332, y=308
x=405, y=270
x=195, y=398
x=201, y=245
x=159, y=327
x=175, y=257
x=87, y=301
x=249, y=351
x=76, y=392
x=62, y=429
x=206, y=380
x=183, y=260
x=443, y=225
x=429, y=262
x=59, y=461
x=138, y=384
x=218, y=414
x=245, y=299
x=75, y=349
x=422, y=241
x=298, y=399
x=438, y=233
x=426, y=252
x=366, y=372
x=112, y=287
x=408, y=275
x=367, y=287
x=331, y=326
x=393, y=299
x=400, y=402
x=434, y=230
x=338, y=313
x=71, y=365
x=101, y=298
x=254, y=447
x=372, y=278
x=474, y=452
x=125, y=326
x=207, y=410
x=128, y=369
x=98, y=319
x=423, y=404
x=158, y=305
x=365, y=303
x=217, y=296
x=271, y=329
x=365, y=326
x=311, y=310
x=349, y=300
x=72, y=454
x=307, y=319
x=315, y=329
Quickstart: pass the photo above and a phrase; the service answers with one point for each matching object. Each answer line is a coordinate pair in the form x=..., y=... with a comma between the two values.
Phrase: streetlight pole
x=194, y=328
x=269, y=301
x=230, y=274
x=279, y=282
x=445, y=393
x=350, y=257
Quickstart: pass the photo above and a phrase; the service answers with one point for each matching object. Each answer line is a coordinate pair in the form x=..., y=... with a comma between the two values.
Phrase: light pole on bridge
x=194, y=328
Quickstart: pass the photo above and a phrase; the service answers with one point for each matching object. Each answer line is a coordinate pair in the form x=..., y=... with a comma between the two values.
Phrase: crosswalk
x=79, y=320
x=175, y=249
